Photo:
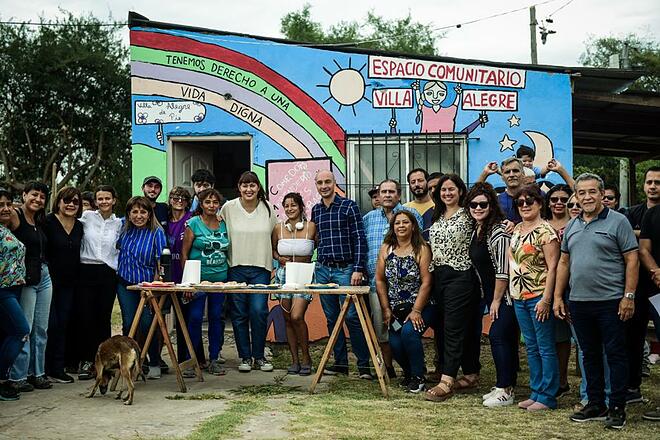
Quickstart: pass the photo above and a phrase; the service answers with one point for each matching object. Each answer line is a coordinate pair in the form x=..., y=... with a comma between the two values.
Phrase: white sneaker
x=502, y=397
x=490, y=394
x=245, y=366
x=154, y=373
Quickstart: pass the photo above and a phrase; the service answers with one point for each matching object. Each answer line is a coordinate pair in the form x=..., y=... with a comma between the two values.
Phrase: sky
x=504, y=39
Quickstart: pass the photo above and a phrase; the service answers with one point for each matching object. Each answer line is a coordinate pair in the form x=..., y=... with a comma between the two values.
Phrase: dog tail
x=138, y=373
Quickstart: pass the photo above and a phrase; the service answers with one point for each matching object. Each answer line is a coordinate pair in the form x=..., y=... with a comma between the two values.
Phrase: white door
x=188, y=157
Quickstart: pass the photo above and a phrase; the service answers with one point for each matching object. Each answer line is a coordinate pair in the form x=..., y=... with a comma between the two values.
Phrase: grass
x=226, y=424
x=201, y=396
x=354, y=409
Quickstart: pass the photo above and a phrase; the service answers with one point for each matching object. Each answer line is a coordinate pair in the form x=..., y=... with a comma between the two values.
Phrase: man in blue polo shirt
x=376, y=225
x=599, y=251
x=341, y=255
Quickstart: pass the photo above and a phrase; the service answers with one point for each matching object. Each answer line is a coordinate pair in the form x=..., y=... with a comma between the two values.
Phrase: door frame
x=200, y=138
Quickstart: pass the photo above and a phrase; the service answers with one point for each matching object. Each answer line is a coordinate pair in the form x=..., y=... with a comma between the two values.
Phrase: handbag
x=401, y=311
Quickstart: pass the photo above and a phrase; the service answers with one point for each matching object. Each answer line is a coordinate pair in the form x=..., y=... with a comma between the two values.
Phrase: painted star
x=506, y=143
x=514, y=120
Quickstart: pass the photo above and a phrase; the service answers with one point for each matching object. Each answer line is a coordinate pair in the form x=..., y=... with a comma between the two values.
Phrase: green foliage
x=399, y=35
x=643, y=52
x=66, y=101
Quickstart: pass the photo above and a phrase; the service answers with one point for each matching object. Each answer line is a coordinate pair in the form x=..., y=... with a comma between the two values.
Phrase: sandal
x=440, y=393
x=293, y=369
x=305, y=370
x=465, y=384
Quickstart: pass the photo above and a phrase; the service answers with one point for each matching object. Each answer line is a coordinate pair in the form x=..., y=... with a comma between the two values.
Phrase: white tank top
x=290, y=247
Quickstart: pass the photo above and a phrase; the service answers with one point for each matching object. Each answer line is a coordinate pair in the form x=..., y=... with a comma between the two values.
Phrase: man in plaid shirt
x=341, y=256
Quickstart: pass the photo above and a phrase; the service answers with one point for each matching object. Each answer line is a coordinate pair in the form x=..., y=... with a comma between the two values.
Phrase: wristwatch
x=629, y=295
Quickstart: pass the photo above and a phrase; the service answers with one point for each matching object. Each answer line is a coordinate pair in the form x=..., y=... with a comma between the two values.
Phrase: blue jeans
x=58, y=328
x=406, y=344
x=216, y=323
x=35, y=302
x=249, y=312
x=541, y=352
x=128, y=303
x=503, y=336
x=584, y=399
x=598, y=326
x=332, y=305
x=14, y=326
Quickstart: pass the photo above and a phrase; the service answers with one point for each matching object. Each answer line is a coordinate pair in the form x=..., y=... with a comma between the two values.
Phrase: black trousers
x=95, y=298
x=457, y=297
x=61, y=311
x=635, y=334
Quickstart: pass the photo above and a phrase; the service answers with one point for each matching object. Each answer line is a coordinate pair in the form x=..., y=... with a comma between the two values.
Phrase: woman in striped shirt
x=488, y=252
x=140, y=244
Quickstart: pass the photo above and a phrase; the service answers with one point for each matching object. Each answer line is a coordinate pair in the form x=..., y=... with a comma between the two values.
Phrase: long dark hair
x=495, y=214
x=205, y=194
x=416, y=239
x=298, y=200
x=440, y=206
x=251, y=177
x=559, y=187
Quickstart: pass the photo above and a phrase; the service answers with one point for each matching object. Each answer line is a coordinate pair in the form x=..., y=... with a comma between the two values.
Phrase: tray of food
x=321, y=286
x=264, y=286
x=157, y=284
x=222, y=285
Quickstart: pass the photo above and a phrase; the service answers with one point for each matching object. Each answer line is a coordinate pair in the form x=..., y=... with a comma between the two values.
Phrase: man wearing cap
x=375, y=197
x=152, y=186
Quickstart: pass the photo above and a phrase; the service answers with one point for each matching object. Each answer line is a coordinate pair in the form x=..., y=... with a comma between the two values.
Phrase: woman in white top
x=95, y=296
x=293, y=241
x=250, y=219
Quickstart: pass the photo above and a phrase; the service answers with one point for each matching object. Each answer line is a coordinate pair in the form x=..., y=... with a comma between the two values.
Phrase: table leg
x=168, y=342
x=339, y=326
x=374, y=349
x=372, y=332
x=186, y=337
x=152, y=331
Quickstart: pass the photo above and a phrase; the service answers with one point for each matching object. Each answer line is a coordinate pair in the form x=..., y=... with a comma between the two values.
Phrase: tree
x=643, y=53
x=65, y=101
x=400, y=35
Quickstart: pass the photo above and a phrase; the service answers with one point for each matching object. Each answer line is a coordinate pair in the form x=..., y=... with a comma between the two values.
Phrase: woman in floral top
x=455, y=288
x=532, y=266
x=12, y=276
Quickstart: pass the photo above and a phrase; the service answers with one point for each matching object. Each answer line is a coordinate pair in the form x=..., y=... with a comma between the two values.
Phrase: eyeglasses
x=178, y=199
x=529, y=201
x=573, y=205
x=68, y=200
x=610, y=198
x=482, y=205
x=559, y=199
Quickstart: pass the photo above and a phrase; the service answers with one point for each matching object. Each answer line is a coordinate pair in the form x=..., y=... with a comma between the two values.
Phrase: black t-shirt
x=63, y=251
x=34, y=239
x=480, y=256
x=162, y=213
x=635, y=215
x=651, y=231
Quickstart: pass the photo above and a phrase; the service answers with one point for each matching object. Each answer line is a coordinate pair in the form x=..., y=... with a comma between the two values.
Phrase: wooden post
x=53, y=185
x=532, y=34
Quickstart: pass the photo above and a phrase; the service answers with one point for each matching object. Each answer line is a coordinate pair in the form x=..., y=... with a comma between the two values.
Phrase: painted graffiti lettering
x=182, y=60
x=490, y=100
x=193, y=93
x=233, y=75
x=280, y=100
x=392, y=98
x=388, y=67
x=246, y=113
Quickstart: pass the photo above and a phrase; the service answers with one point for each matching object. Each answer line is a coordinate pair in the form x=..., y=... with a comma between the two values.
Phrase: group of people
x=553, y=266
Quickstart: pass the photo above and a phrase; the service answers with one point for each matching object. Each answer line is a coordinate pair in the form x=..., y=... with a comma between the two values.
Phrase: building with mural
x=228, y=102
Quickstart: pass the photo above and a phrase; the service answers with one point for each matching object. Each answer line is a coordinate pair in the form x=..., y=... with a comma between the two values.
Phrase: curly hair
x=495, y=214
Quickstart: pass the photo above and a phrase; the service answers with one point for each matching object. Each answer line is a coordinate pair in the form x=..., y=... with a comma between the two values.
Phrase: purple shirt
x=175, y=231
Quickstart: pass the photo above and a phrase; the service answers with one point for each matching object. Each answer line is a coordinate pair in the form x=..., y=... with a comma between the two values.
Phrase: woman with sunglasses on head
x=27, y=224
x=533, y=258
x=403, y=283
x=64, y=233
x=557, y=216
x=140, y=245
x=489, y=249
x=250, y=221
x=206, y=240
x=455, y=288
x=293, y=241
x=97, y=283
x=13, y=324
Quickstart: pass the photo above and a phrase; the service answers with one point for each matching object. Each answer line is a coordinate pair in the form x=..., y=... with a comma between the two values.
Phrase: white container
x=192, y=272
x=298, y=274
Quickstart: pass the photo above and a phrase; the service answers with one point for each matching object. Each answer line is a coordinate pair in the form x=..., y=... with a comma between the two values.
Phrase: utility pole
x=532, y=33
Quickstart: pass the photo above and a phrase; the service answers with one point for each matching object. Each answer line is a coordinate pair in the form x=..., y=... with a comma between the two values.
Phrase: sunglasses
x=574, y=205
x=68, y=200
x=610, y=198
x=529, y=201
x=178, y=199
x=559, y=199
x=482, y=205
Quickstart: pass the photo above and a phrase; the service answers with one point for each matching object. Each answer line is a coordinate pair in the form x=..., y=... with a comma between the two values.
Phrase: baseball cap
x=373, y=191
x=152, y=179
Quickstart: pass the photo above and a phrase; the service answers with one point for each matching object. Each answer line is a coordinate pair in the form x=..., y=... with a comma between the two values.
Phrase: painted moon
x=542, y=146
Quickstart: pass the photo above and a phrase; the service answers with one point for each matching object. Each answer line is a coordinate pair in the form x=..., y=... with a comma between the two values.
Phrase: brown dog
x=119, y=354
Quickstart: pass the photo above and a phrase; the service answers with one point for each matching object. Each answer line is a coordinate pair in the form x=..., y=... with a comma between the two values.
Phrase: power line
x=29, y=23
x=560, y=8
